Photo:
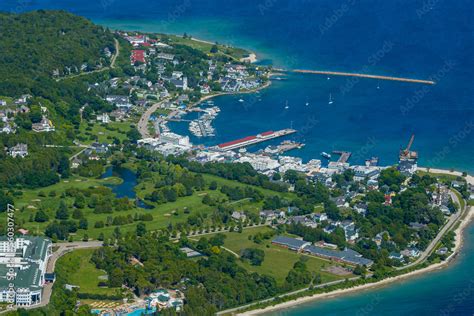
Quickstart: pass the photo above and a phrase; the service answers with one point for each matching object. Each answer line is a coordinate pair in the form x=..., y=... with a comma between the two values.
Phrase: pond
x=126, y=187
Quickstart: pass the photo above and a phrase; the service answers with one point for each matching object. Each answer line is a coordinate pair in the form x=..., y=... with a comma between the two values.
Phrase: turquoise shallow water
x=449, y=291
x=417, y=39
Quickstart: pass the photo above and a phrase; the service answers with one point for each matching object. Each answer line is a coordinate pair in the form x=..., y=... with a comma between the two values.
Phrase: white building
x=23, y=264
x=20, y=150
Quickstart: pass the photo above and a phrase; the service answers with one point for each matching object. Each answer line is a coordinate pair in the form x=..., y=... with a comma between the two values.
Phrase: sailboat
x=330, y=99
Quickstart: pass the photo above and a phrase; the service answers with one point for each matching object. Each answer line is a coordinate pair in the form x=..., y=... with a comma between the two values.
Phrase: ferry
x=326, y=155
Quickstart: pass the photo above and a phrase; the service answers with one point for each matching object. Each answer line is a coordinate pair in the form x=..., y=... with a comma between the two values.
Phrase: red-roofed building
x=138, y=55
x=266, y=133
x=236, y=141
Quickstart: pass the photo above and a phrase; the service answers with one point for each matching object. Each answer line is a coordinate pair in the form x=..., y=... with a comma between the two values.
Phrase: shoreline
x=208, y=97
x=434, y=267
x=464, y=222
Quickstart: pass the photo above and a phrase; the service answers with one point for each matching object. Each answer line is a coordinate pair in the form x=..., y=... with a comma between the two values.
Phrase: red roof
x=237, y=141
x=138, y=55
x=266, y=133
x=146, y=44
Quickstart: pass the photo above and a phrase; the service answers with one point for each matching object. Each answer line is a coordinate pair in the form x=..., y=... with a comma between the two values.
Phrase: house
x=361, y=208
x=320, y=217
x=457, y=184
x=44, y=126
x=442, y=251
x=411, y=252
x=138, y=55
x=20, y=150
x=396, y=256
x=100, y=148
x=119, y=101
x=190, y=253
x=103, y=118
x=290, y=243
x=268, y=215
x=3, y=102
x=75, y=163
x=239, y=216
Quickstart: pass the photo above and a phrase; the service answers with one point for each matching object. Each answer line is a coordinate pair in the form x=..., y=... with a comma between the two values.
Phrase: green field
x=278, y=261
x=105, y=133
x=76, y=269
x=205, y=47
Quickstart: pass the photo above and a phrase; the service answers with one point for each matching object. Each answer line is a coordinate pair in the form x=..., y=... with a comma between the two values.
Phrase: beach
x=464, y=223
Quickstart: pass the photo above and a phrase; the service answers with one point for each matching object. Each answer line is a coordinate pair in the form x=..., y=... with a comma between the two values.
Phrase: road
x=145, y=118
x=453, y=219
x=62, y=250
x=112, y=64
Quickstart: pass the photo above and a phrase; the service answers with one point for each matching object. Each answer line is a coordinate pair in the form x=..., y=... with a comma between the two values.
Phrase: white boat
x=330, y=99
x=326, y=155
x=286, y=105
x=241, y=100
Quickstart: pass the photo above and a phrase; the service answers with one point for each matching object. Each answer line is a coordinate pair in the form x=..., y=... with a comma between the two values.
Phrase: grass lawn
x=75, y=267
x=105, y=132
x=278, y=261
x=205, y=47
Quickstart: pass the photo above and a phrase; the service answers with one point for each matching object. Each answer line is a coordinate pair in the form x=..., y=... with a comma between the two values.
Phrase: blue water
x=126, y=187
x=408, y=38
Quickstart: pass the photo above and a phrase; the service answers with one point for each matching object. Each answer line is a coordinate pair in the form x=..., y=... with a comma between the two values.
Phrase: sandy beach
x=464, y=222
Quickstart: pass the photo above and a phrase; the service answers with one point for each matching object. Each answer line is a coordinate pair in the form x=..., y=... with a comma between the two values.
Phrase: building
x=20, y=150
x=290, y=243
x=119, y=101
x=347, y=255
x=174, y=139
x=104, y=118
x=138, y=55
x=44, y=126
x=27, y=259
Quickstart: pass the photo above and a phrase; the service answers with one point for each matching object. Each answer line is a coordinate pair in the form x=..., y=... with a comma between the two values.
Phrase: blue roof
x=347, y=255
x=292, y=243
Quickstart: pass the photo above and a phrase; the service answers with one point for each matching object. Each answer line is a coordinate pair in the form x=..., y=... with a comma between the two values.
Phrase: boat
x=307, y=103
x=326, y=155
x=330, y=99
x=241, y=100
x=286, y=105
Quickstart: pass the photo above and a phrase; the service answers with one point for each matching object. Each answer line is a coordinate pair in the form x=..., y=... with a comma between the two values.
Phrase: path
x=453, y=219
x=112, y=64
x=63, y=248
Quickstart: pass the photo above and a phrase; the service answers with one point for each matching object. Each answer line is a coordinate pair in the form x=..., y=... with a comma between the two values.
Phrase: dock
x=350, y=74
x=252, y=140
x=344, y=155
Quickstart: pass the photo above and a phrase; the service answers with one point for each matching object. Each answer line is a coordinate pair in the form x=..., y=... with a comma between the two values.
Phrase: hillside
x=33, y=45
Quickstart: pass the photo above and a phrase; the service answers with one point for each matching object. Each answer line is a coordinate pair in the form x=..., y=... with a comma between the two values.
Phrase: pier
x=350, y=74
x=252, y=140
x=344, y=155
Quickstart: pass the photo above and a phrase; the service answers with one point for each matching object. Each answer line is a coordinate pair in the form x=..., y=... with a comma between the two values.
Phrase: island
x=106, y=210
